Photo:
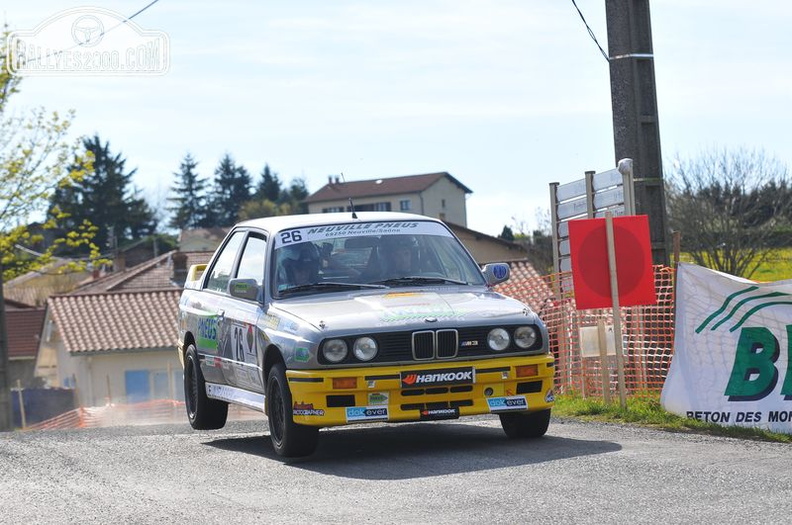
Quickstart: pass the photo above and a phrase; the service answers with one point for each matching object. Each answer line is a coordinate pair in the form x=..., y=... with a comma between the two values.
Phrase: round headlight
x=365, y=348
x=525, y=336
x=498, y=339
x=334, y=350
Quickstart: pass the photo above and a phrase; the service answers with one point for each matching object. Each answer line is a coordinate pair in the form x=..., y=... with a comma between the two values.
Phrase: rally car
x=341, y=318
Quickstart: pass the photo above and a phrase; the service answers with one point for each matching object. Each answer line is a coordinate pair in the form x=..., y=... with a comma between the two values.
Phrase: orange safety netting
x=647, y=335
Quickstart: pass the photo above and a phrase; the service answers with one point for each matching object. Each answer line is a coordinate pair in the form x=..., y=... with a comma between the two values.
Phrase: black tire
x=522, y=425
x=289, y=439
x=202, y=412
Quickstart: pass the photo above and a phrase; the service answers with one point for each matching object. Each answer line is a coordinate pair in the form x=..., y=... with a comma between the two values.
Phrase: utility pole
x=636, y=131
x=6, y=408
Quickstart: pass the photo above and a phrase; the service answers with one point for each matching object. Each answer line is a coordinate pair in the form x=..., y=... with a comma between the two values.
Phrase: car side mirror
x=244, y=289
x=495, y=273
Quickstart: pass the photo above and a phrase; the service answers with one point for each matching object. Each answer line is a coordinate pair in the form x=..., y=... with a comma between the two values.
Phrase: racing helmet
x=300, y=257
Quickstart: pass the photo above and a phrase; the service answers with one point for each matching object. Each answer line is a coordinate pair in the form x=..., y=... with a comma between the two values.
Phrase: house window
x=333, y=209
x=404, y=205
x=377, y=206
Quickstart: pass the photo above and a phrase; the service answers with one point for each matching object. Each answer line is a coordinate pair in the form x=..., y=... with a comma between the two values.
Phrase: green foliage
x=507, y=234
x=36, y=159
x=102, y=196
x=231, y=188
x=646, y=410
x=189, y=209
x=269, y=187
x=730, y=207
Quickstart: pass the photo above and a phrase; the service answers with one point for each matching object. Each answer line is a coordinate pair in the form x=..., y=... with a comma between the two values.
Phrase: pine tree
x=269, y=186
x=231, y=190
x=103, y=198
x=189, y=209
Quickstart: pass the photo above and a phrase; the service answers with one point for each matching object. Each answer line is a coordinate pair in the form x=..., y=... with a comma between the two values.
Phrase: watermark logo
x=88, y=41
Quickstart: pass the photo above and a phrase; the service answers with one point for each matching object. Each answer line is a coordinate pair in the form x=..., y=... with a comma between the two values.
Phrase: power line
x=590, y=32
x=103, y=33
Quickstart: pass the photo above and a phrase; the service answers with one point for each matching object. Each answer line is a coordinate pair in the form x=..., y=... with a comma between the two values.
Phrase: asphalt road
x=463, y=471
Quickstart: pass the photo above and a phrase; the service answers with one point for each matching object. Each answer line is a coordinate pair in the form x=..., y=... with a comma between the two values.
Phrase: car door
x=241, y=315
x=210, y=307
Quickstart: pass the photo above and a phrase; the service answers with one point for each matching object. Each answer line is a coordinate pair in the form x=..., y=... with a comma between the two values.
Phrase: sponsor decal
x=306, y=409
x=270, y=321
x=316, y=233
x=419, y=314
x=500, y=271
x=366, y=414
x=378, y=398
x=207, y=332
x=439, y=413
x=301, y=354
x=502, y=404
x=210, y=361
x=442, y=376
x=732, y=362
x=550, y=396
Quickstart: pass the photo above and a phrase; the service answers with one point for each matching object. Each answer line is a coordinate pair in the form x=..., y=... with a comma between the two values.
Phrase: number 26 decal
x=291, y=236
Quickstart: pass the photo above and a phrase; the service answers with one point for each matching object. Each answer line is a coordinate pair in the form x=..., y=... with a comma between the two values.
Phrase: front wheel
x=522, y=425
x=202, y=412
x=289, y=439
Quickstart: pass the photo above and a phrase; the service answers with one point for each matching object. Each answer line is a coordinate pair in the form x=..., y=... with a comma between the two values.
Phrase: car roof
x=285, y=222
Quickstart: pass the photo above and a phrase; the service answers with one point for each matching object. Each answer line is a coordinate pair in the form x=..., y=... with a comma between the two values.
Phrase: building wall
x=362, y=202
x=446, y=201
x=103, y=378
x=485, y=250
x=443, y=200
x=109, y=377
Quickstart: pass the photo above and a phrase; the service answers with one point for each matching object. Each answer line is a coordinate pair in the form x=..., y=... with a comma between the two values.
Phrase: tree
x=269, y=186
x=231, y=190
x=729, y=206
x=507, y=234
x=295, y=196
x=35, y=159
x=103, y=197
x=189, y=209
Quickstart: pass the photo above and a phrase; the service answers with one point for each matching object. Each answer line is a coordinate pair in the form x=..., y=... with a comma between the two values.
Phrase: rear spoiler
x=194, y=276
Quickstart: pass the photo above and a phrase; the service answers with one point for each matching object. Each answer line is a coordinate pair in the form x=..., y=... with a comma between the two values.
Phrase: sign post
x=611, y=262
x=614, y=285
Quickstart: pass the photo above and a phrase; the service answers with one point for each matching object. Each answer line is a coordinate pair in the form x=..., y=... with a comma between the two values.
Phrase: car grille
x=434, y=345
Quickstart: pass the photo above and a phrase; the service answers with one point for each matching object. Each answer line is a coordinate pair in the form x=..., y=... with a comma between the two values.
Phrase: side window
x=251, y=266
x=224, y=265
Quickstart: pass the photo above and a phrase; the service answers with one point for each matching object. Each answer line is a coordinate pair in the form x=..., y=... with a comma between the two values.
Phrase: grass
x=647, y=411
x=777, y=267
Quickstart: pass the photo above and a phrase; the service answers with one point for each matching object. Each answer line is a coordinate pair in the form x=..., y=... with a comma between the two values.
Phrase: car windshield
x=360, y=255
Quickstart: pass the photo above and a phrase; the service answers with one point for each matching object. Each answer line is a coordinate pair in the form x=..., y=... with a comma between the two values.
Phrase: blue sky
x=506, y=95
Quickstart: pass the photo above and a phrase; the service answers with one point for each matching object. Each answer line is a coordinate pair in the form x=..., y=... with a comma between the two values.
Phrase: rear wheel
x=288, y=438
x=202, y=412
x=522, y=425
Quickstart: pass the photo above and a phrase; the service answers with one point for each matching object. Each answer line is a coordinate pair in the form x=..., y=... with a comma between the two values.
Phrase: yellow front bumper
x=376, y=393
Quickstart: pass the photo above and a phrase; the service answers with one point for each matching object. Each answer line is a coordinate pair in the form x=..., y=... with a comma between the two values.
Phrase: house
x=33, y=288
x=438, y=195
x=485, y=248
x=114, y=339
x=24, y=323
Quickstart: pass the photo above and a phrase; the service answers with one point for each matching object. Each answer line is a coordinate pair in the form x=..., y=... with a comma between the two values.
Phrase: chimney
x=119, y=265
x=330, y=179
x=337, y=179
x=179, y=261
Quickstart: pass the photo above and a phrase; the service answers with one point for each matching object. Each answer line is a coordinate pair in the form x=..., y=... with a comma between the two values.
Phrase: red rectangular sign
x=589, y=256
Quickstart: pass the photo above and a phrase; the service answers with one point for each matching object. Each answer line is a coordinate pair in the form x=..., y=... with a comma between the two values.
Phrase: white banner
x=732, y=361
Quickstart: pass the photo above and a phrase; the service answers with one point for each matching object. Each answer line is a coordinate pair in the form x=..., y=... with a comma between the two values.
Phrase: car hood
x=402, y=309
